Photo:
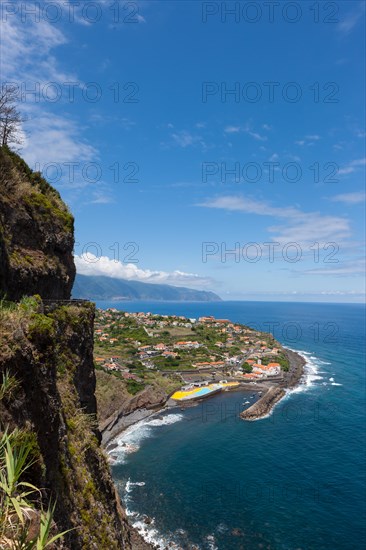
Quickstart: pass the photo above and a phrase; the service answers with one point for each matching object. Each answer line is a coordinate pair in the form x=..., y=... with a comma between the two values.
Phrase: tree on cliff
x=10, y=118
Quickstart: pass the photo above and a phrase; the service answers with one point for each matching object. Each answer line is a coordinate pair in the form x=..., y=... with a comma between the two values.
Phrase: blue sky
x=177, y=133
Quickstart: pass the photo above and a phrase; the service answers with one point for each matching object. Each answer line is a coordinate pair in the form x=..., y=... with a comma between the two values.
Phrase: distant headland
x=95, y=287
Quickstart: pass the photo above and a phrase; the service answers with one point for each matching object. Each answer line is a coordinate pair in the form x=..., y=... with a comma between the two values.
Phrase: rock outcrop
x=134, y=409
x=36, y=234
x=264, y=405
x=46, y=347
x=50, y=355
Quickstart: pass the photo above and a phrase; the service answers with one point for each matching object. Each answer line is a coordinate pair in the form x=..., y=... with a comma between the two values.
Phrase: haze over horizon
x=201, y=144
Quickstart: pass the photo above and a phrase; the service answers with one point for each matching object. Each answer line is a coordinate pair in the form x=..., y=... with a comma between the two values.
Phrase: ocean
x=294, y=480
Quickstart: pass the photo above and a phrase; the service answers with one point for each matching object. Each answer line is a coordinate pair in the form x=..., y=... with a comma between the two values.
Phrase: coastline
x=143, y=406
x=148, y=403
x=275, y=393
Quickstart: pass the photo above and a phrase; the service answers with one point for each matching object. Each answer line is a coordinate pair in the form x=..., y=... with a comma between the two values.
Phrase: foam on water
x=311, y=371
x=211, y=542
x=307, y=381
x=152, y=536
x=222, y=528
x=130, y=440
x=130, y=485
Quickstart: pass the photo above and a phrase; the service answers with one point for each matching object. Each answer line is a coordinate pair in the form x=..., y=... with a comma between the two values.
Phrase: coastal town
x=190, y=353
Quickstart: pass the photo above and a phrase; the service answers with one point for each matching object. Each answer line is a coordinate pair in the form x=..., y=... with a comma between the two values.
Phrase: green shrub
x=30, y=304
x=8, y=385
x=21, y=501
x=134, y=387
x=41, y=327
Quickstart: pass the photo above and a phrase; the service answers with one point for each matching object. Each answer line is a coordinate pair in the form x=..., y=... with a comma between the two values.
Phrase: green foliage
x=49, y=208
x=35, y=178
x=283, y=361
x=8, y=385
x=20, y=501
x=134, y=387
x=41, y=327
x=247, y=368
x=30, y=304
x=5, y=305
x=81, y=422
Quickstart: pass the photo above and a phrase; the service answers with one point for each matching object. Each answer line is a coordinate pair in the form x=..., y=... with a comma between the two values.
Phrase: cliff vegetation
x=36, y=234
x=56, y=490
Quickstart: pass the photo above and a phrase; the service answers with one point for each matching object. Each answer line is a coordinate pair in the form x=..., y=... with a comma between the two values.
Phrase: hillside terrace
x=123, y=345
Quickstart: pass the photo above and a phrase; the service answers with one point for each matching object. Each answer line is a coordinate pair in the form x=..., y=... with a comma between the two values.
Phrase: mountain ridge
x=100, y=287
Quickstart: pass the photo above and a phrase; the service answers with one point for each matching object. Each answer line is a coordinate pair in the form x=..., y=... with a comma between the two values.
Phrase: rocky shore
x=151, y=400
x=137, y=408
x=264, y=405
x=274, y=393
x=296, y=370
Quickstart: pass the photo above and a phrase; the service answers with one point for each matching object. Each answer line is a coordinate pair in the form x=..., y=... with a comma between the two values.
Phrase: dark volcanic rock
x=36, y=234
x=48, y=349
x=264, y=405
x=55, y=402
x=132, y=410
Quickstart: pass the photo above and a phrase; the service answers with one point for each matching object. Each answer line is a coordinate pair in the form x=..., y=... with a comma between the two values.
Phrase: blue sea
x=294, y=480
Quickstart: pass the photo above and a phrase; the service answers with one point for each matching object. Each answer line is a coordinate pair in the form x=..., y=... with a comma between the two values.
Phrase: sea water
x=293, y=480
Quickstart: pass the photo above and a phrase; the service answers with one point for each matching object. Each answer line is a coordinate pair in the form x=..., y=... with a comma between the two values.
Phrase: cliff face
x=47, y=348
x=36, y=234
x=50, y=354
x=131, y=410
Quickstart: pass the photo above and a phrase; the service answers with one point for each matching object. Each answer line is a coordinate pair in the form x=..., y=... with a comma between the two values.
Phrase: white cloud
x=308, y=140
x=249, y=206
x=257, y=136
x=54, y=139
x=101, y=197
x=304, y=228
x=183, y=138
x=89, y=264
x=28, y=60
x=346, y=268
x=352, y=166
x=351, y=19
x=247, y=129
x=350, y=198
x=186, y=139
x=311, y=227
x=26, y=51
x=232, y=129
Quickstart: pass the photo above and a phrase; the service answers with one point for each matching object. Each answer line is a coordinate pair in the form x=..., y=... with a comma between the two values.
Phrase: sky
x=212, y=145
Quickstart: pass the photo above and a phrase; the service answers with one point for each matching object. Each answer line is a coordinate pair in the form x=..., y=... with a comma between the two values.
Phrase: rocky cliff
x=50, y=355
x=36, y=234
x=132, y=410
x=46, y=346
